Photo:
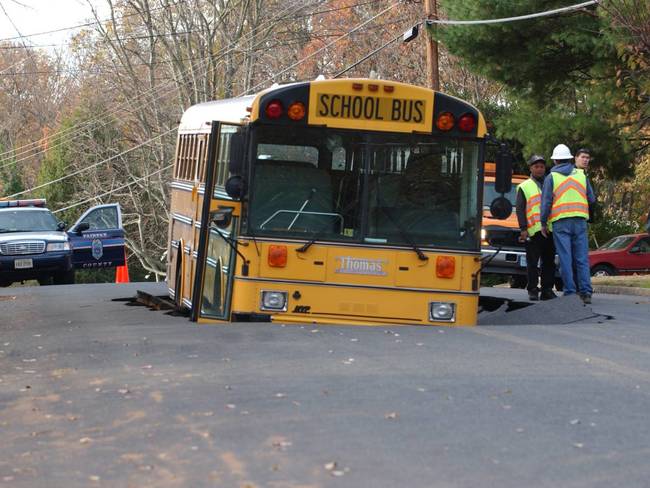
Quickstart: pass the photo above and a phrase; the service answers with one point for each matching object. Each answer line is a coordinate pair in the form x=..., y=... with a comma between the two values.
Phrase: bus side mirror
x=236, y=154
x=222, y=217
x=503, y=170
x=501, y=208
x=235, y=187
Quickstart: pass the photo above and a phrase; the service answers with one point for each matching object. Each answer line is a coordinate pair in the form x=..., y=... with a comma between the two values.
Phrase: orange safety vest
x=533, y=196
x=569, y=196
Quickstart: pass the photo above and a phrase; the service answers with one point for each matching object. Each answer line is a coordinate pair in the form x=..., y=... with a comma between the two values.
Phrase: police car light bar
x=34, y=202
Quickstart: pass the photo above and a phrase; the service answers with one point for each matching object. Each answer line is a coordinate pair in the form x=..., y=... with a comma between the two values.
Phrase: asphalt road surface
x=97, y=393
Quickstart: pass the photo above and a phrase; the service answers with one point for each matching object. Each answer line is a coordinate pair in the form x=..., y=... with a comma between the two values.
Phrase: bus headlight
x=442, y=312
x=483, y=234
x=58, y=246
x=274, y=300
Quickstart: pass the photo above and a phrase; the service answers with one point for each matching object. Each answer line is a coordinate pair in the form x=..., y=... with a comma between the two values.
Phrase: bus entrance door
x=216, y=254
x=218, y=270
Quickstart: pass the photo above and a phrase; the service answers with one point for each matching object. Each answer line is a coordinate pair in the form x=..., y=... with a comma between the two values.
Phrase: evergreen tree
x=559, y=71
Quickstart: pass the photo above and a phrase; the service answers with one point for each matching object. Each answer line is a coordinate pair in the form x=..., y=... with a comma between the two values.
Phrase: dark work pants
x=540, y=247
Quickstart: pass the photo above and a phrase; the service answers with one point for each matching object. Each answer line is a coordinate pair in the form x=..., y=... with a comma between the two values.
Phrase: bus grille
x=22, y=247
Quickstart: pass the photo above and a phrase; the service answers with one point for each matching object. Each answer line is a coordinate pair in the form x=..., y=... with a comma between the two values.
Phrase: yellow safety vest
x=533, y=196
x=569, y=196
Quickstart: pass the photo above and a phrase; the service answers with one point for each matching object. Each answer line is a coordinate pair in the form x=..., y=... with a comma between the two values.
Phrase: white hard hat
x=561, y=152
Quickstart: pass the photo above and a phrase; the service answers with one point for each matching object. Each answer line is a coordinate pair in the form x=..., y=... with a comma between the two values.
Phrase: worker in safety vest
x=582, y=159
x=566, y=196
x=529, y=197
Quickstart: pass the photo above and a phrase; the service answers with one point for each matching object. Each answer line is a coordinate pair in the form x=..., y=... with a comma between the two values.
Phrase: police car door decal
x=97, y=238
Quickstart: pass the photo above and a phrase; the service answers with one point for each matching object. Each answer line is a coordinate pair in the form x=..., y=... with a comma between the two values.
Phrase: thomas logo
x=360, y=266
x=97, y=249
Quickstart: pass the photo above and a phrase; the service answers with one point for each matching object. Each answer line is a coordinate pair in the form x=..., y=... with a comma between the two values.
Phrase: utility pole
x=431, y=12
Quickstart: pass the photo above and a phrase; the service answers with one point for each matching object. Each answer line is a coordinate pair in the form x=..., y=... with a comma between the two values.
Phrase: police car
x=35, y=246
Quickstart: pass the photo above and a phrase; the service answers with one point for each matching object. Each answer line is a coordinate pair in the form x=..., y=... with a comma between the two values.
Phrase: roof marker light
x=357, y=86
x=445, y=121
x=274, y=109
x=296, y=111
x=467, y=123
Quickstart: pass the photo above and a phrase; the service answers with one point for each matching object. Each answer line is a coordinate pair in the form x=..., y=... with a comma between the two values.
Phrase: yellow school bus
x=348, y=201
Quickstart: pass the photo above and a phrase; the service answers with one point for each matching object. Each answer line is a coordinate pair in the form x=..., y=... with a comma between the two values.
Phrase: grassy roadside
x=642, y=281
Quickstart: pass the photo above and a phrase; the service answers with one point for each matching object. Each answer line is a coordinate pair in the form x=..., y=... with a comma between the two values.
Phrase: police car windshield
x=26, y=221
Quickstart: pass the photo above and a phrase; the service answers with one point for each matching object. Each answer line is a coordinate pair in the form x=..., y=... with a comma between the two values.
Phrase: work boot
x=548, y=295
x=586, y=298
x=533, y=295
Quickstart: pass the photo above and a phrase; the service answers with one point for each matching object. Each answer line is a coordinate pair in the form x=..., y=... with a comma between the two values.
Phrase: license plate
x=23, y=264
x=522, y=261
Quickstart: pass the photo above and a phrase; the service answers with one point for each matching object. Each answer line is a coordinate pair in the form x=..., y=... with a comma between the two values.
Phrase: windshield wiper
x=320, y=232
x=402, y=232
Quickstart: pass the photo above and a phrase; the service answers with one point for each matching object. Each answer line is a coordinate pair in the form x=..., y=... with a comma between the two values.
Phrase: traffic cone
x=122, y=272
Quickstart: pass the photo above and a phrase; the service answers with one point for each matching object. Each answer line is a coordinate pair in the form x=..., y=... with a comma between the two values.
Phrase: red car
x=621, y=255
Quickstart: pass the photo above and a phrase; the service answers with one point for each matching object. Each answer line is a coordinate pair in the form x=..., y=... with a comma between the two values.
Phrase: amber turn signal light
x=445, y=121
x=277, y=257
x=296, y=111
x=445, y=266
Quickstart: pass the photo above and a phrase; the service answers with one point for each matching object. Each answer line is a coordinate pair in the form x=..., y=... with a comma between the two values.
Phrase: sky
x=34, y=16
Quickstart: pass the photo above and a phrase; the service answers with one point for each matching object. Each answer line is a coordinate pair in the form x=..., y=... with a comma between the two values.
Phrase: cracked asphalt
x=94, y=392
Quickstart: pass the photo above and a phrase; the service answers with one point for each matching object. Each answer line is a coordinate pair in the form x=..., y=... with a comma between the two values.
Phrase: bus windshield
x=366, y=187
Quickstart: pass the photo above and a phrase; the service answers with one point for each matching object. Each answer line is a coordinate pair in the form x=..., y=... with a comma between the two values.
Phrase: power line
x=77, y=128
x=284, y=42
x=97, y=197
x=86, y=168
x=369, y=55
x=177, y=33
x=513, y=19
x=86, y=24
x=350, y=32
x=174, y=128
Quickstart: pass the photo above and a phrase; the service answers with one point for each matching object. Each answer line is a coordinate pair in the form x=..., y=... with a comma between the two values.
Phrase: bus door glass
x=217, y=244
x=218, y=270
